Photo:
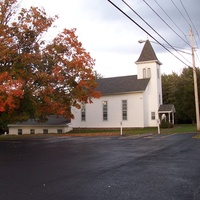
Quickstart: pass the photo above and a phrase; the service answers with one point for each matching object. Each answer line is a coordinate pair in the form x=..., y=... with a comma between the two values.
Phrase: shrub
x=165, y=124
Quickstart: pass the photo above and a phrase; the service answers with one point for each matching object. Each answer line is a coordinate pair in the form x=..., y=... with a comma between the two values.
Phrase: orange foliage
x=11, y=91
x=39, y=78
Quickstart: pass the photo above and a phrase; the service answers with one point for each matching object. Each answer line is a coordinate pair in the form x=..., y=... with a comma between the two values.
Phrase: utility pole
x=195, y=81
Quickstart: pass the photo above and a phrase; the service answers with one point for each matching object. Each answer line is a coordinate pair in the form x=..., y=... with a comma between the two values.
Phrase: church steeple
x=148, y=67
x=148, y=54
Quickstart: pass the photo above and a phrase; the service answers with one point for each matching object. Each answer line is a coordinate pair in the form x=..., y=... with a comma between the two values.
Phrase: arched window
x=159, y=99
x=144, y=73
x=158, y=73
x=148, y=73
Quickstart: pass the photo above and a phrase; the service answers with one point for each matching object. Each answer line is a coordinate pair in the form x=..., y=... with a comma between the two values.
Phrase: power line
x=172, y=21
x=193, y=27
x=145, y=31
x=190, y=25
x=165, y=22
x=175, y=23
x=189, y=18
x=154, y=30
x=180, y=12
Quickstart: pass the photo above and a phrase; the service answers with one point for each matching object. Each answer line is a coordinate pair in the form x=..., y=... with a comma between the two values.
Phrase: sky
x=112, y=38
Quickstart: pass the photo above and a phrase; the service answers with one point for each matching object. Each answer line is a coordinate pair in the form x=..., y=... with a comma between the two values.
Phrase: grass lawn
x=179, y=128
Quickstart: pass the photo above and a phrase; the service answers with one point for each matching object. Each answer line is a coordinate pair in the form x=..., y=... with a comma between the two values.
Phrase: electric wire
x=191, y=28
x=197, y=56
x=154, y=30
x=178, y=49
x=146, y=31
x=189, y=18
x=181, y=13
x=171, y=20
x=166, y=23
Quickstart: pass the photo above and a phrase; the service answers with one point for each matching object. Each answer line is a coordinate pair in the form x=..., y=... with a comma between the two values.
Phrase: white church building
x=131, y=101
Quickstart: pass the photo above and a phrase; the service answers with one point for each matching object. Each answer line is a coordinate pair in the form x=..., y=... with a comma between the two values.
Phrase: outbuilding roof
x=123, y=84
x=52, y=120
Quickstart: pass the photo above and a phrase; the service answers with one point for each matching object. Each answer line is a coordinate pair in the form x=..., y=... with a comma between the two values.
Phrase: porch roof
x=166, y=108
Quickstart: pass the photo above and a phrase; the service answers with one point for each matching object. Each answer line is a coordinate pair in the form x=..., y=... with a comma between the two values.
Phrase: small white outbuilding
x=54, y=124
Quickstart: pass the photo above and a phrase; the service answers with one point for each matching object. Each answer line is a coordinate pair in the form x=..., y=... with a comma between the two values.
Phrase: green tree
x=186, y=92
x=39, y=78
x=169, y=84
x=179, y=90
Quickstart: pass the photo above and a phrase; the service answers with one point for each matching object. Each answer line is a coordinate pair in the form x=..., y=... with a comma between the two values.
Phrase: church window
x=158, y=73
x=45, y=131
x=19, y=131
x=124, y=109
x=32, y=131
x=59, y=131
x=144, y=73
x=148, y=73
x=105, y=110
x=83, y=113
x=153, y=115
x=159, y=99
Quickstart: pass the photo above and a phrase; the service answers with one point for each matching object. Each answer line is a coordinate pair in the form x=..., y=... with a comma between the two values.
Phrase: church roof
x=123, y=84
x=148, y=54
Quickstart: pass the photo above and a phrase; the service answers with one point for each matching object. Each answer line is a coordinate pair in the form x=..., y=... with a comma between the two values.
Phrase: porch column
x=173, y=117
x=169, y=117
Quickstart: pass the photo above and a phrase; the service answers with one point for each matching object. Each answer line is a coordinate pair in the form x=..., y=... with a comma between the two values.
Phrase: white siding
x=94, y=112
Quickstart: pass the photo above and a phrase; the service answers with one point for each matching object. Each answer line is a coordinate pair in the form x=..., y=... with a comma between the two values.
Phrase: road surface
x=152, y=167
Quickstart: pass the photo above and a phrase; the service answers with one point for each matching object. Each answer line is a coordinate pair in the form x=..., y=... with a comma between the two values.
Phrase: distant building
x=54, y=124
x=133, y=101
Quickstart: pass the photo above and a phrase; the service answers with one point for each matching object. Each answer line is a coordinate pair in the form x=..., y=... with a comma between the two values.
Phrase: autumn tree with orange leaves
x=39, y=78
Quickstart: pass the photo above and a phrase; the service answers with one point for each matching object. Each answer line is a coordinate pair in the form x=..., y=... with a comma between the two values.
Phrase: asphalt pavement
x=147, y=167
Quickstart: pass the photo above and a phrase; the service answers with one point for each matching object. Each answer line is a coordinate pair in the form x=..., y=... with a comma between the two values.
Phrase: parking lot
x=113, y=167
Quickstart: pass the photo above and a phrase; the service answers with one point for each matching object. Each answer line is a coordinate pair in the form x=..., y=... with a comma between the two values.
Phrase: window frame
x=149, y=72
x=59, y=131
x=45, y=131
x=144, y=73
x=153, y=115
x=105, y=110
x=83, y=112
x=19, y=131
x=124, y=110
x=32, y=131
x=158, y=73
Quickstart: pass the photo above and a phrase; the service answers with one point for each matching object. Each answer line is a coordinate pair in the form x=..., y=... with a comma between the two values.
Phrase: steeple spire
x=148, y=54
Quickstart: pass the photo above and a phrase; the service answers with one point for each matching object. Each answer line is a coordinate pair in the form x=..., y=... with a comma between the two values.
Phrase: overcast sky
x=112, y=39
